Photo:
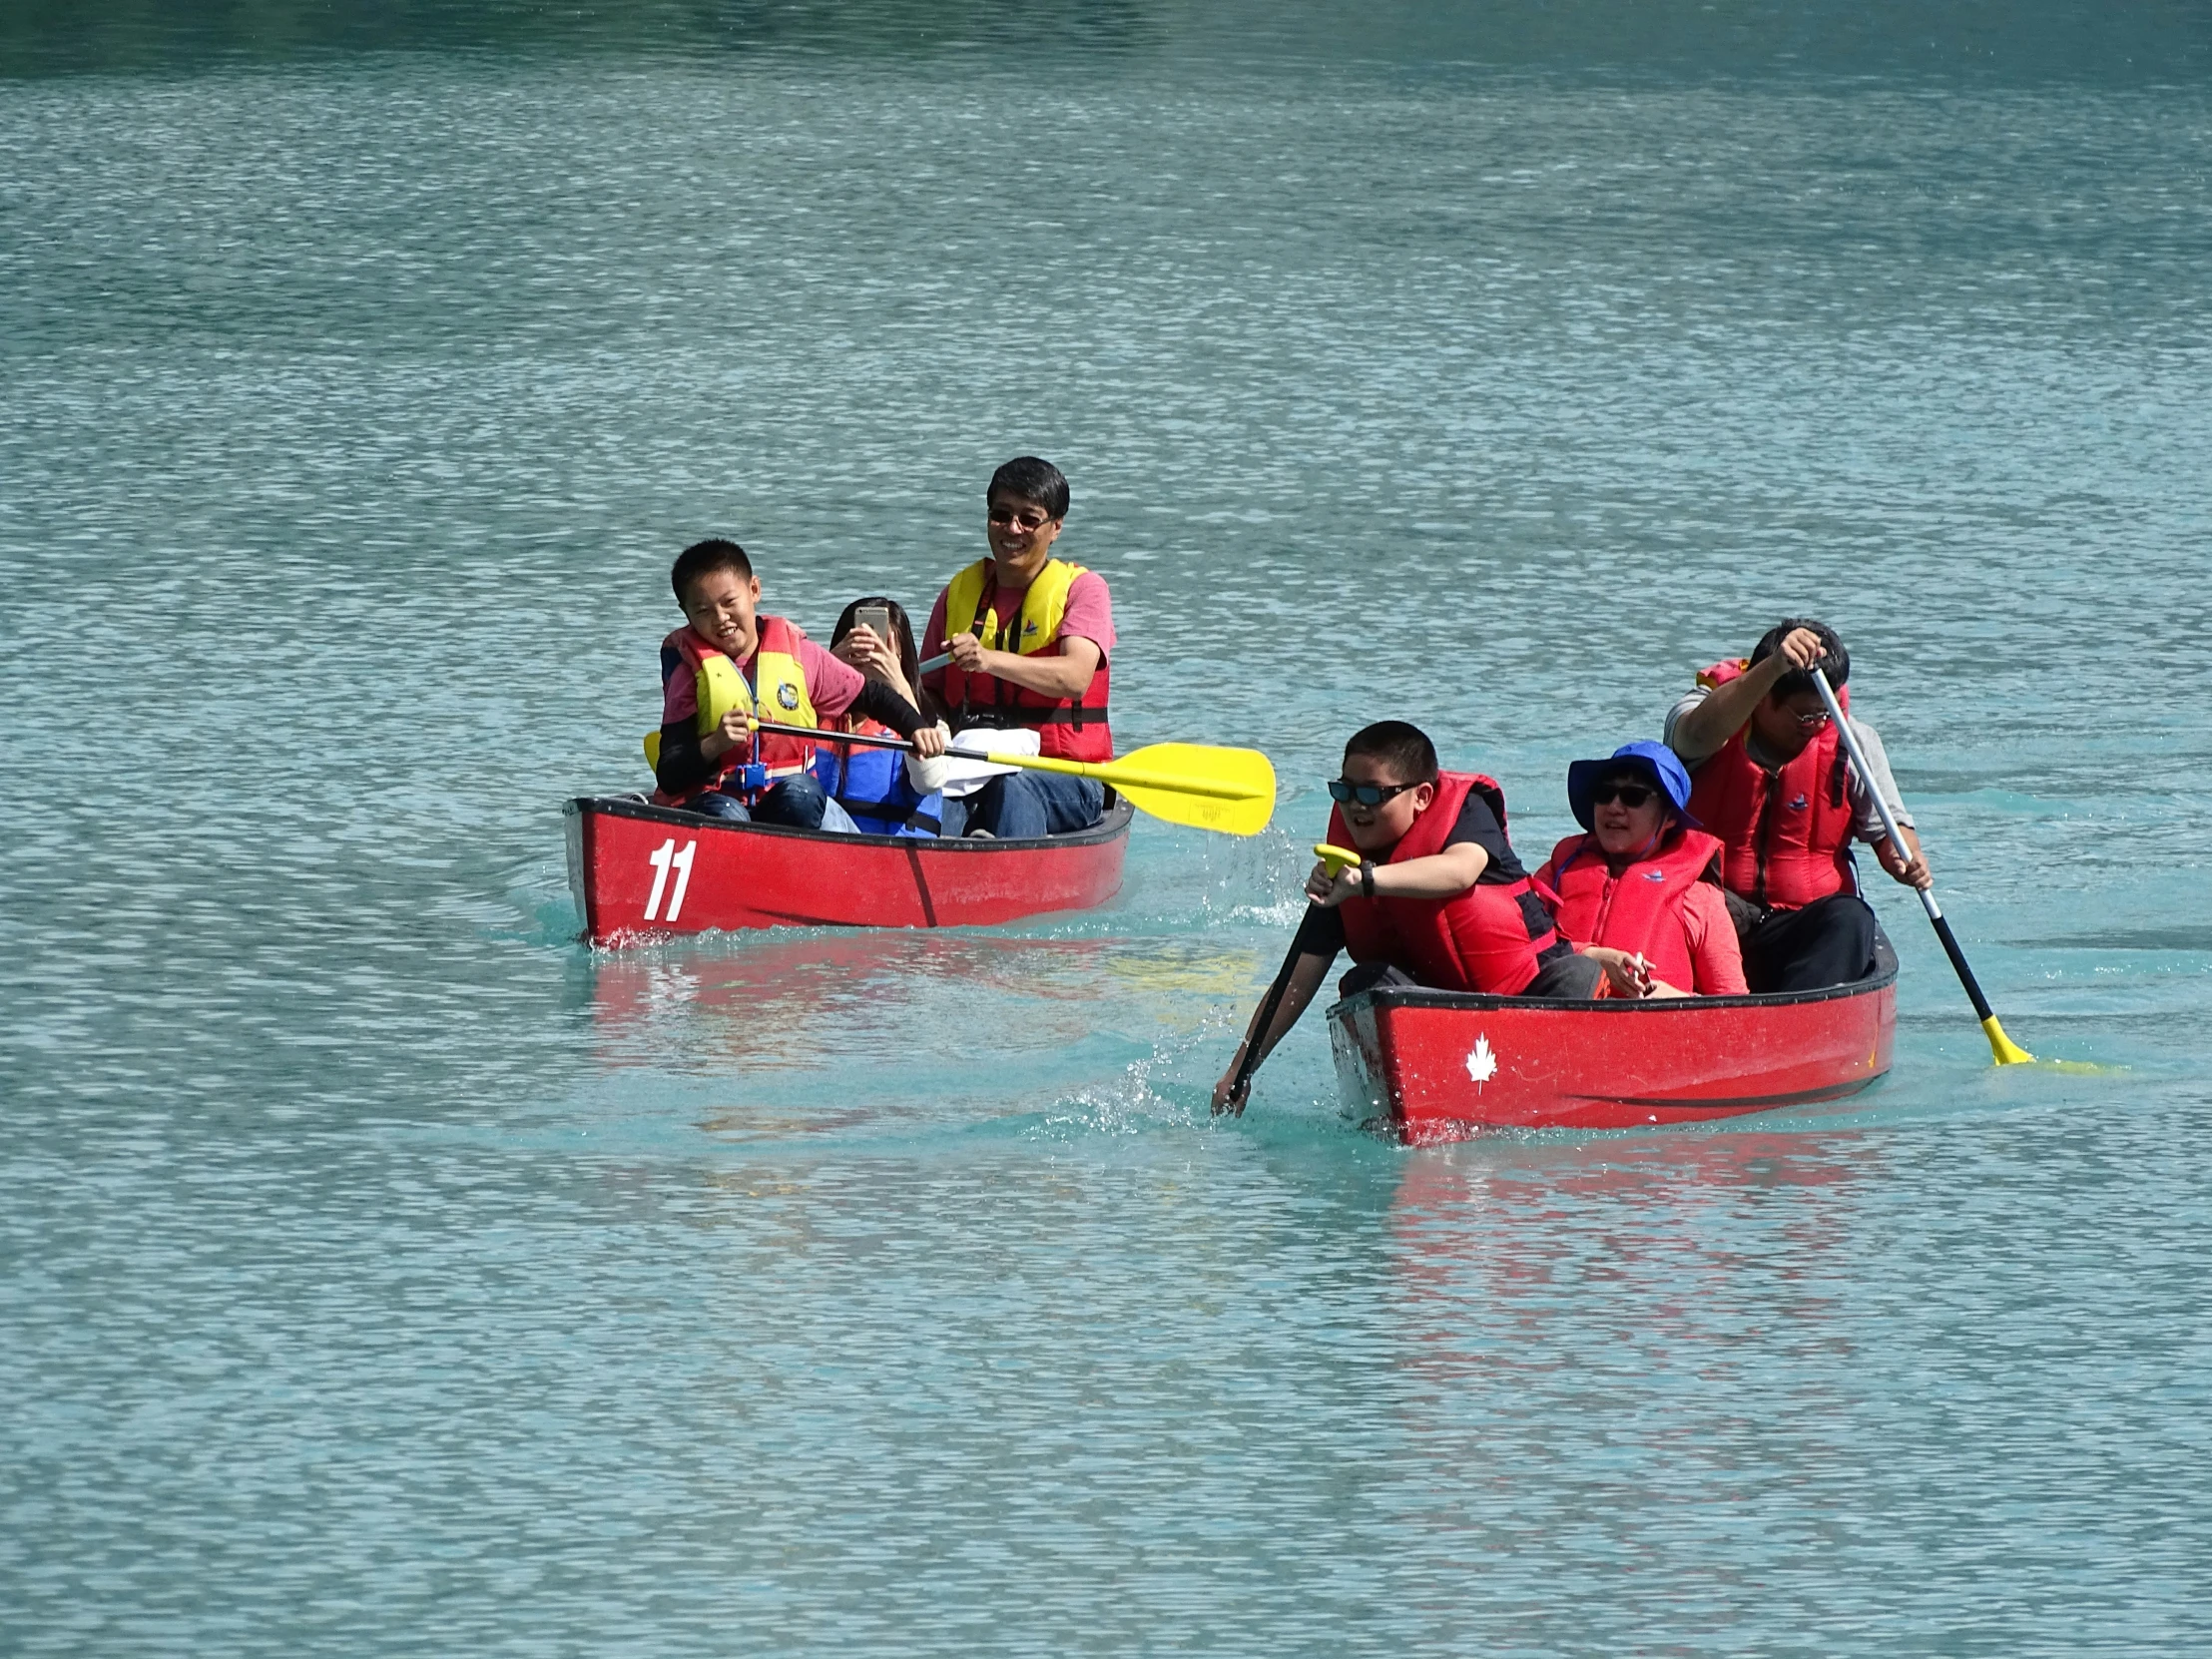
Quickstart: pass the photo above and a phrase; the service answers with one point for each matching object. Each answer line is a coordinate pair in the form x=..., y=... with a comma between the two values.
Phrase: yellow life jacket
x=1042, y=608
x=1072, y=728
x=781, y=678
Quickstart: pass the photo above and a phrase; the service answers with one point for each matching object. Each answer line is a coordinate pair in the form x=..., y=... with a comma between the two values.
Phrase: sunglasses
x=1630, y=795
x=1343, y=791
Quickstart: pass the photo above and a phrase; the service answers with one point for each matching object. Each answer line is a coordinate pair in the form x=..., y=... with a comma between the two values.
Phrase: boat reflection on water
x=815, y=1032
x=780, y=1003
x=1679, y=1236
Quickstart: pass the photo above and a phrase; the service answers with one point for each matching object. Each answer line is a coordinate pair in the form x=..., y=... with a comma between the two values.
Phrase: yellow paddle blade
x=1228, y=790
x=2007, y=1052
x=2010, y=1053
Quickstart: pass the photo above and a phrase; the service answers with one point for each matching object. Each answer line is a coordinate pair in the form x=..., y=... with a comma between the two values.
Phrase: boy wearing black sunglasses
x=1438, y=897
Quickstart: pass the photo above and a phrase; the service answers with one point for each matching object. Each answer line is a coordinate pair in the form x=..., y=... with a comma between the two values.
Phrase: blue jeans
x=797, y=800
x=1032, y=804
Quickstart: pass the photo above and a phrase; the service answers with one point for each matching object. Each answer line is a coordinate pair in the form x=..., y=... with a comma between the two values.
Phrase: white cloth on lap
x=962, y=776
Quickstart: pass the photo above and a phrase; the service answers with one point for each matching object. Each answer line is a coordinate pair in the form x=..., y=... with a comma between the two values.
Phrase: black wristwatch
x=1367, y=877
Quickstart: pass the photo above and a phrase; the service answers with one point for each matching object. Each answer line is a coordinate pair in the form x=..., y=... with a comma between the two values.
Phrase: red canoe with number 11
x=642, y=871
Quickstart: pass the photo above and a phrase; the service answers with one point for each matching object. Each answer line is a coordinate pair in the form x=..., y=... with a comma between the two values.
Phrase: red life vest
x=1485, y=939
x=1068, y=728
x=1787, y=833
x=1639, y=906
x=775, y=690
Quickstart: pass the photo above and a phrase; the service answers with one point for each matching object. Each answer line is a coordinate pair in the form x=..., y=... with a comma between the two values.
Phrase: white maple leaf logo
x=1481, y=1062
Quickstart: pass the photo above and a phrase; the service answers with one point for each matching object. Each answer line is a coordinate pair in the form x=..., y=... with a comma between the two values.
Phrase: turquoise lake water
x=385, y=1273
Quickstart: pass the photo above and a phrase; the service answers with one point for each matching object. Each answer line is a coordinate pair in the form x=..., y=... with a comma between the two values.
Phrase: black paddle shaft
x=823, y=736
x=1261, y=1026
x=1966, y=973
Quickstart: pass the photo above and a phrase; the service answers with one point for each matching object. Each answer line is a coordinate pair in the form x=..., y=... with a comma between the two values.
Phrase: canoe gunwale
x=1421, y=996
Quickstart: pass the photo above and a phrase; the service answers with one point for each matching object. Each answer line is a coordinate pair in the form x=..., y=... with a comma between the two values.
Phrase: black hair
x=1636, y=768
x=1033, y=480
x=702, y=558
x=1835, y=660
x=902, y=642
x=1404, y=749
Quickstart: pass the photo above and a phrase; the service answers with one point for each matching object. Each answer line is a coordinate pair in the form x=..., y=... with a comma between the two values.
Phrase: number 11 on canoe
x=1229, y=789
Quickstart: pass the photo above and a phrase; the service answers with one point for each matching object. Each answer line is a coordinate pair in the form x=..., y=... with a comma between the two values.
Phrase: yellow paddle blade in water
x=2010, y=1053
x=2007, y=1052
x=1229, y=789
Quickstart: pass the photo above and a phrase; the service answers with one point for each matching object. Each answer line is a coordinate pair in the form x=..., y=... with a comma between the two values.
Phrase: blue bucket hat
x=1655, y=758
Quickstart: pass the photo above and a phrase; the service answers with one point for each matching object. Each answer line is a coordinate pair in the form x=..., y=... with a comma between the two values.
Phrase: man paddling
x=1029, y=636
x=1774, y=781
x=1438, y=897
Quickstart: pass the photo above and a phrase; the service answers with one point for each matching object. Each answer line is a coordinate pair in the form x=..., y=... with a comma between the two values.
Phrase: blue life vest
x=873, y=786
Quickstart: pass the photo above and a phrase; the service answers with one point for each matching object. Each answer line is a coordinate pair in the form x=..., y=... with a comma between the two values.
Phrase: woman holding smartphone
x=886, y=792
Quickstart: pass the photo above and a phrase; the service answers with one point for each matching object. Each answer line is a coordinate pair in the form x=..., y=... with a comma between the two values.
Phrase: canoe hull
x=641, y=871
x=1426, y=1066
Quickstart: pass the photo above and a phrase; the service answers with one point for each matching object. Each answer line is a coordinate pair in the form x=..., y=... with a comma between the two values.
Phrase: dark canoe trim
x=1748, y=1102
x=1419, y=996
x=1111, y=827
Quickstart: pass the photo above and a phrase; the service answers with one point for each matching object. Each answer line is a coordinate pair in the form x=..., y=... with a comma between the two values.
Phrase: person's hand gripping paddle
x=1335, y=859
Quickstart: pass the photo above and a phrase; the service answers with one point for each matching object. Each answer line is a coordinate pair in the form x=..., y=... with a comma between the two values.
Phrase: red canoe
x=1429, y=1066
x=642, y=871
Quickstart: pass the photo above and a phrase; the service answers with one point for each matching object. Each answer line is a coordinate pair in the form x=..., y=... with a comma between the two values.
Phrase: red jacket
x=1485, y=939
x=1638, y=907
x=1787, y=832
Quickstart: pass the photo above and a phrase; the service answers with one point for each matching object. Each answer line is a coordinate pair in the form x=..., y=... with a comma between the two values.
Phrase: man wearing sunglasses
x=1029, y=636
x=1774, y=781
x=1438, y=897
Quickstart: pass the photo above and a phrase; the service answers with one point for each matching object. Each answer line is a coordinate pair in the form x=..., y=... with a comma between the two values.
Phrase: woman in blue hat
x=1640, y=891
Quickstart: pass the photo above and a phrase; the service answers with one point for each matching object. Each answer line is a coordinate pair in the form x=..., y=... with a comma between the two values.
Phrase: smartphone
x=877, y=620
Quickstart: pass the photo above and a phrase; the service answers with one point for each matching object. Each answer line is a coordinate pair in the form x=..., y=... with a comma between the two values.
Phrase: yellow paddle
x=1229, y=789
x=2007, y=1052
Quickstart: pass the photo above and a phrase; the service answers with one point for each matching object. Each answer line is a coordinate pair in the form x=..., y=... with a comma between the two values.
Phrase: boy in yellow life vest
x=730, y=664
x=1029, y=637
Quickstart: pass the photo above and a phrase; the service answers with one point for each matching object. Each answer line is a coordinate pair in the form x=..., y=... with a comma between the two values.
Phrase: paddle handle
x=1336, y=858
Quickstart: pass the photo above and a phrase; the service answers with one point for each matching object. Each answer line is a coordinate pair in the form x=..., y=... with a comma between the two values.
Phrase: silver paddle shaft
x=1865, y=772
